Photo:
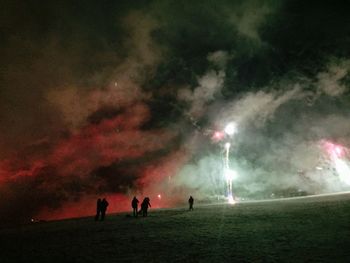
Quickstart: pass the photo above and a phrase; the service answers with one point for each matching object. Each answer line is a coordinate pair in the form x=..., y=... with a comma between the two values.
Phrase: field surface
x=314, y=229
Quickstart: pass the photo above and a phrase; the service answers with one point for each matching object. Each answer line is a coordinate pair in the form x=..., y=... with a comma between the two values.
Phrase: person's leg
x=103, y=213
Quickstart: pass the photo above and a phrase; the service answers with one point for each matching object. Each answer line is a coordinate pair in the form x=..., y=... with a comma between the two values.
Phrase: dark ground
x=299, y=230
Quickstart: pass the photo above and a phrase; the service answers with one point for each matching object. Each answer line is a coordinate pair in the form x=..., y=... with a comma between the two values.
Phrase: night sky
x=121, y=98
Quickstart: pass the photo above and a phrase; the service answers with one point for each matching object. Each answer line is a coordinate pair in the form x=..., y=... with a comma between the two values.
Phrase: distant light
x=319, y=168
x=218, y=136
x=230, y=128
x=231, y=200
x=159, y=196
x=32, y=220
x=227, y=145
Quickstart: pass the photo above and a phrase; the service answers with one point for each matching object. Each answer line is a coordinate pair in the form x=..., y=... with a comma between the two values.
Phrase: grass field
x=313, y=229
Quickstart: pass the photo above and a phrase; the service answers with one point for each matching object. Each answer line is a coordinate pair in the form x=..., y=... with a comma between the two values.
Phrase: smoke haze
x=117, y=99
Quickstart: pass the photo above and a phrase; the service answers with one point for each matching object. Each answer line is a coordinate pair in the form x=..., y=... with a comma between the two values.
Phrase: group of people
x=144, y=206
x=146, y=203
x=102, y=205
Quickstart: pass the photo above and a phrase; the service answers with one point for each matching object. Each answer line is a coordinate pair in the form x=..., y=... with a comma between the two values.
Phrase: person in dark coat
x=134, y=205
x=104, y=205
x=144, y=206
x=190, y=202
x=98, y=209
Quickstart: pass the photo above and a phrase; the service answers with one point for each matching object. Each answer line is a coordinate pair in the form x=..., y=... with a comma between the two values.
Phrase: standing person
x=98, y=209
x=190, y=202
x=104, y=205
x=134, y=204
x=144, y=206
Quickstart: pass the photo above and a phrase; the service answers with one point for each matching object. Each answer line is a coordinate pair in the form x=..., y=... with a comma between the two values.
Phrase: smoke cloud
x=123, y=99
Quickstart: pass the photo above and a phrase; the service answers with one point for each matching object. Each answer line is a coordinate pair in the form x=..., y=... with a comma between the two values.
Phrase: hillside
x=315, y=229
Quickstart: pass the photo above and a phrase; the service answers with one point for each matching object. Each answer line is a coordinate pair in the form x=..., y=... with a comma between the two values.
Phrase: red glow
x=218, y=136
x=334, y=150
x=76, y=157
x=86, y=207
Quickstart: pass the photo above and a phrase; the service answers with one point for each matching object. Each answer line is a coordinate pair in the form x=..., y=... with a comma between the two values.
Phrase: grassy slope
x=301, y=230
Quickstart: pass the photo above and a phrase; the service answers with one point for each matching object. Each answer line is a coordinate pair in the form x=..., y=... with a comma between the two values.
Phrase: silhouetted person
x=134, y=204
x=104, y=205
x=144, y=206
x=190, y=202
x=98, y=209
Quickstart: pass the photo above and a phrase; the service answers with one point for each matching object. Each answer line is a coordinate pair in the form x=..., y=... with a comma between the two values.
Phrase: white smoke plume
x=293, y=163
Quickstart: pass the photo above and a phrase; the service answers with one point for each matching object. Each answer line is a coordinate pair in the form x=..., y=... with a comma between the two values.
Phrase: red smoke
x=64, y=174
x=334, y=150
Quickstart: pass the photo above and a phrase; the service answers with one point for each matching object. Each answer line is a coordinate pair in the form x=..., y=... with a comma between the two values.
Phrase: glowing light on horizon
x=159, y=196
x=231, y=200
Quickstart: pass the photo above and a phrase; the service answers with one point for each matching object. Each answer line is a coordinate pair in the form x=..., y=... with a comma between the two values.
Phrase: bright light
x=334, y=150
x=338, y=150
x=343, y=170
x=231, y=200
x=337, y=154
x=230, y=128
x=230, y=174
x=218, y=136
x=159, y=196
x=227, y=145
